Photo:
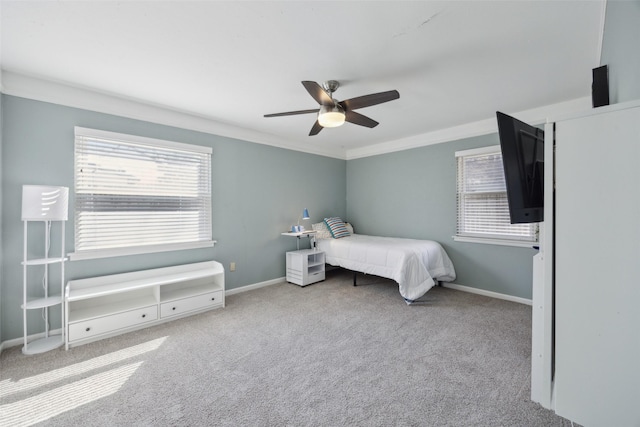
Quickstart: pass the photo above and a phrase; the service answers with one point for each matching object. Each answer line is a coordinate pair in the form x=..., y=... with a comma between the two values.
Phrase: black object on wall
x=600, y=86
x=522, y=147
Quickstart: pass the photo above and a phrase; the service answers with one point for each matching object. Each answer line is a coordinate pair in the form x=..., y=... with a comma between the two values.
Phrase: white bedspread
x=413, y=264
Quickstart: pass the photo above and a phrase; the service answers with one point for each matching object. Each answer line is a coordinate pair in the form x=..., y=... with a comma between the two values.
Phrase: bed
x=416, y=265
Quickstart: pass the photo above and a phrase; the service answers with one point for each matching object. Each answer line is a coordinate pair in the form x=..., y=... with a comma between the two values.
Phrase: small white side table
x=305, y=267
x=310, y=234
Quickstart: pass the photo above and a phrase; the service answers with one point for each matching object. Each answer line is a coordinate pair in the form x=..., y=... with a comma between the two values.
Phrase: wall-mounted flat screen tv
x=522, y=148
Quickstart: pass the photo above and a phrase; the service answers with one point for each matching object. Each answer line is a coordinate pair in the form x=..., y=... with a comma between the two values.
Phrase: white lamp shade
x=331, y=116
x=45, y=203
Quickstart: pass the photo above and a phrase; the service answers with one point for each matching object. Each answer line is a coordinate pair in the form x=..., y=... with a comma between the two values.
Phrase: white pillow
x=349, y=227
x=322, y=232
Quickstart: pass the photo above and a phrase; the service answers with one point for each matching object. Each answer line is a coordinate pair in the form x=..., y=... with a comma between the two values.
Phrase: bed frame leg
x=354, y=278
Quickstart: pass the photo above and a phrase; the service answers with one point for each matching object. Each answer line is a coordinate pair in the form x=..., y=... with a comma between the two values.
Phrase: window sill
x=139, y=250
x=501, y=242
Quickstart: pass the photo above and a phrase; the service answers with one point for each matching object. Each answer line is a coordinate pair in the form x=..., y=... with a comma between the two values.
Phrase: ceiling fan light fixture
x=331, y=116
x=332, y=113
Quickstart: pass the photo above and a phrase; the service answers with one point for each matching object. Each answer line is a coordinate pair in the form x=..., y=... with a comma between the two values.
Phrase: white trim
x=47, y=91
x=487, y=293
x=444, y=284
x=254, y=286
x=17, y=341
x=20, y=341
x=505, y=240
x=534, y=116
x=501, y=242
x=62, y=94
x=134, y=139
x=596, y=111
x=483, y=127
x=138, y=250
x=479, y=151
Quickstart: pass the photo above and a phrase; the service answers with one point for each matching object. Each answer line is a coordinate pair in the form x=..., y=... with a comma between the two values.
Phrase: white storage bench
x=104, y=306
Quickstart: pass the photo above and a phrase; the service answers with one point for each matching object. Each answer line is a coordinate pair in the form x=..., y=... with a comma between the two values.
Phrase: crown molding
x=24, y=86
x=534, y=116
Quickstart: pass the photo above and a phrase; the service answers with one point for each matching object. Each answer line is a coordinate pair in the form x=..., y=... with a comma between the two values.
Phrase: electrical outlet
x=232, y=266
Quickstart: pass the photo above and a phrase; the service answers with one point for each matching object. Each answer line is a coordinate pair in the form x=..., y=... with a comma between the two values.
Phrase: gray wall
x=620, y=50
x=258, y=192
x=412, y=194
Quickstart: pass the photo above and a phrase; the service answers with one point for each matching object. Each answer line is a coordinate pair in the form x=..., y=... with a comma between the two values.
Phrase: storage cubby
x=305, y=267
x=189, y=288
x=99, y=307
x=111, y=304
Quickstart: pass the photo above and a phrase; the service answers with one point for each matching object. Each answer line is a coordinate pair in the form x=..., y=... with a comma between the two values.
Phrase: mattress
x=415, y=265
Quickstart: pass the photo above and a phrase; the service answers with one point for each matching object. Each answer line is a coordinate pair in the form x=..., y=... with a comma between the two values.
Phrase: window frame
x=528, y=242
x=80, y=132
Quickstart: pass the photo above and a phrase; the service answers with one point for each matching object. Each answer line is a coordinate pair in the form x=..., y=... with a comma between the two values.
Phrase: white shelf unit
x=100, y=307
x=46, y=298
x=305, y=267
x=597, y=343
x=585, y=341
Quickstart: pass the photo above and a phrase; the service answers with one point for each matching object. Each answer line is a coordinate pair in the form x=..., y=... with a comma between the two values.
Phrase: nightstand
x=305, y=267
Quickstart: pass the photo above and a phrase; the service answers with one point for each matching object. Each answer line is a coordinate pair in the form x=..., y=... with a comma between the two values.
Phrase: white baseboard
x=444, y=284
x=254, y=286
x=487, y=293
x=20, y=341
x=15, y=342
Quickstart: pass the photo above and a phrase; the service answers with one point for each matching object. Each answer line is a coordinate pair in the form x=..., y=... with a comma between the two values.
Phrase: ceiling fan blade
x=292, y=113
x=315, y=129
x=369, y=100
x=317, y=93
x=359, y=119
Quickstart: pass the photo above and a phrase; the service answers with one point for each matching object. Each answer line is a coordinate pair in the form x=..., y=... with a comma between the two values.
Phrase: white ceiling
x=453, y=62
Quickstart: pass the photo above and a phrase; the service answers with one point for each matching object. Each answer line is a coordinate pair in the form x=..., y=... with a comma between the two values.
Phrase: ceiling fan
x=333, y=113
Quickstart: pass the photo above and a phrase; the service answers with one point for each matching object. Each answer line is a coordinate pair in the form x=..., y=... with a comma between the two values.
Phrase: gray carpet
x=325, y=355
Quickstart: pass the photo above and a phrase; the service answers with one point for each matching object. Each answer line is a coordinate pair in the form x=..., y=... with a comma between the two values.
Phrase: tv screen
x=522, y=148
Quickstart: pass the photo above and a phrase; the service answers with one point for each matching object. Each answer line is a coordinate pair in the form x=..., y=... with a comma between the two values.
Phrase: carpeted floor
x=325, y=355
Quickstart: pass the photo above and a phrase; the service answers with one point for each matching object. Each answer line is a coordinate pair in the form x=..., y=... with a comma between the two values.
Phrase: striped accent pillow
x=336, y=227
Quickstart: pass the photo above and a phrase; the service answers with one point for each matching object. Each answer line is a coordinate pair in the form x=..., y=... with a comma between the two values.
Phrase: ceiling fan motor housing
x=331, y=86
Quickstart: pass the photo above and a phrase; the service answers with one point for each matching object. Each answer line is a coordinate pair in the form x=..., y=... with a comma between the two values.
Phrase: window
x=139, y=195
x=483, y=209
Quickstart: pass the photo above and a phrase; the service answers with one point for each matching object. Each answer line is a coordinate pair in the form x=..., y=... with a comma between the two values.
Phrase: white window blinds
x=140, y=192
x=483, y=209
